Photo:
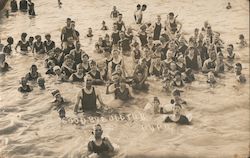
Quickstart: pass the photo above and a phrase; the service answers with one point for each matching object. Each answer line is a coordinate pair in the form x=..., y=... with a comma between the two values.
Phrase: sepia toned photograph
x=124, y=79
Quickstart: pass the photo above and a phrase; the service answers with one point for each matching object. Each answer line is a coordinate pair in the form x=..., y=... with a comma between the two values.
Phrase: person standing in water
x=137, y=13
x=23, y=5
x=172, y=24
x=114, y=13
x=101, y=146
x=88, y=96
x=13, y=6
x=120, y=23
x=23, y=44
x=157, y=28
x=31, y=8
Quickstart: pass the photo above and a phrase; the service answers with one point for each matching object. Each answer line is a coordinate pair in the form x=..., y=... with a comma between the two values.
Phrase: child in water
x=211, y=78
x=153, y=107
x=239, y=76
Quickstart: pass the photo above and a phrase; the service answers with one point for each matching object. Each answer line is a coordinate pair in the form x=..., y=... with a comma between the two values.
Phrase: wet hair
x=238, y=65
x=24, y=35
x=231, y=45
x=144, y=6
x=241, y=36
x=47, y=35
x=37, y=37
x=10, y=40
x=120, y=14
x=68, y=19
x=103, y=22
x=171, y=14
x=33, y=66
x=85, y=55
x=138, y=6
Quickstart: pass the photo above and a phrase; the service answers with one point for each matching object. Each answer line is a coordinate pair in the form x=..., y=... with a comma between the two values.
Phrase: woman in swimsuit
x=78, y=76
x=38, y=46
x=95, y=74
x=23, y=44
x=117, y=60
x=49, y=45
x=85, y=64
x=68, y=67
x=178, y=117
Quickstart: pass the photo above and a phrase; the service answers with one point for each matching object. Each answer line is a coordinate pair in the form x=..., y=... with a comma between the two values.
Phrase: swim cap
x=56, y=68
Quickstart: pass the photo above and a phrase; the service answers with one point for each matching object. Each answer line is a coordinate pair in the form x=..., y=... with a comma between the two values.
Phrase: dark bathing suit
x=23, y=46
x=89, y=101
x=157, y=31
x=98, y=149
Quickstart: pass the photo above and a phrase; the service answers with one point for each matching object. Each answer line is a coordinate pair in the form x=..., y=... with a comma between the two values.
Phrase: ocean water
x=220, y=125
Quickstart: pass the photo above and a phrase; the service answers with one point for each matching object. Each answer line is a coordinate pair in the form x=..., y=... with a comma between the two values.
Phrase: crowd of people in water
x=24, y=6
x=157, y=50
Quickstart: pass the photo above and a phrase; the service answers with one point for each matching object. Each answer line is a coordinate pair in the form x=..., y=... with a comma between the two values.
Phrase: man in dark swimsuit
x=88, y=96
x=101, y=146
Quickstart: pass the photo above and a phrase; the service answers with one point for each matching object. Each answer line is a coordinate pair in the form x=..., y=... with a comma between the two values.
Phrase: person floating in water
x=23, y=5
x=31, y=8
x=24, y=86
x=239, y=76
x=4, y=66
x=114, y=13
x=101, y=146
x=13, y=6
x=88, y=96
x=229, y=5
